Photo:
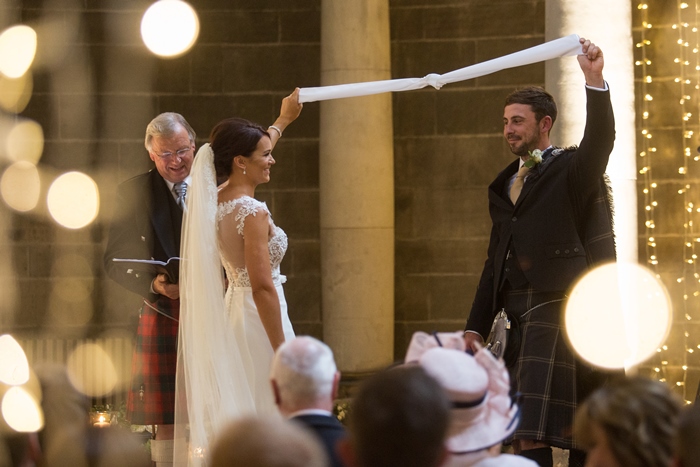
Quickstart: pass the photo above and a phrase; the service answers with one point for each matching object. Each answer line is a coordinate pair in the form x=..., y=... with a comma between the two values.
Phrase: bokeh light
x=617, y=315
x=91, y=370
x=17, y=50
x=25, y=142
x=14, y=367
x=21, y=411
x=15, y=92
x=20, y=186
x=169, y=28
x=73, y=200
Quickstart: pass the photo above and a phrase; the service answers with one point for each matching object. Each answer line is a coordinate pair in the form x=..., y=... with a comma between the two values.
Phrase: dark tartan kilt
x=545, y=373
x=151, y=398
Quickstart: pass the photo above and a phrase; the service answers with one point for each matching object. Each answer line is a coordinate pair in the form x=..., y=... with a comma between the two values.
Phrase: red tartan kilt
x=151, y=398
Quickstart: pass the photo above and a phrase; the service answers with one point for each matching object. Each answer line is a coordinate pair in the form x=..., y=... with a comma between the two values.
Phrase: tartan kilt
x=545, y=372
x=151, y=398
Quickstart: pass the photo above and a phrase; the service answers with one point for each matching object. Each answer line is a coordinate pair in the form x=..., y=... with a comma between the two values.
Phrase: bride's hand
x=291, y=108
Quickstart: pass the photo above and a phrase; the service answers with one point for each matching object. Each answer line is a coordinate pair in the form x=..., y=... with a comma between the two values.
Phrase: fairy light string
x=647, y=151
x=688, y=81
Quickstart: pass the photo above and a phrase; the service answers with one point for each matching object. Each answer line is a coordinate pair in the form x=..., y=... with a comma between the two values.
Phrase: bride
x=226, y=342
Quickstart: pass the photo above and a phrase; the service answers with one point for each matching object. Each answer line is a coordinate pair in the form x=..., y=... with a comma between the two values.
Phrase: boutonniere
x=534, y=158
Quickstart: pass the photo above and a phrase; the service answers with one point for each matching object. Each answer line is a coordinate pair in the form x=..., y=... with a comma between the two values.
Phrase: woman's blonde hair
x=639, y=417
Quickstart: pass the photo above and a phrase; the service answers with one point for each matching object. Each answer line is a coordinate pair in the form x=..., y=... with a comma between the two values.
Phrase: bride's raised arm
x=291, y=108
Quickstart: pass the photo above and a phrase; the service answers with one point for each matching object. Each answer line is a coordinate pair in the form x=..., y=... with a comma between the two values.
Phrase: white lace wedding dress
x=249, y=333
x=224, y=354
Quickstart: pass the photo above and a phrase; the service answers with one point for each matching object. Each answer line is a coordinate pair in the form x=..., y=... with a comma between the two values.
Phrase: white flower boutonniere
x=534, y=158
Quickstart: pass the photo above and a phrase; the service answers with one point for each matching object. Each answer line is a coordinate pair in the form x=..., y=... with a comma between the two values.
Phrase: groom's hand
x=591, y=62
x=473, y=341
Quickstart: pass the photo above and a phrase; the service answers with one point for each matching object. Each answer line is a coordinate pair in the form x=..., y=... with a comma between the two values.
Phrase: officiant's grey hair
x=166, y=125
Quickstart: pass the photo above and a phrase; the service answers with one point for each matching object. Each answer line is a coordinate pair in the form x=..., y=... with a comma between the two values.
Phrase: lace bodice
x=231, y=249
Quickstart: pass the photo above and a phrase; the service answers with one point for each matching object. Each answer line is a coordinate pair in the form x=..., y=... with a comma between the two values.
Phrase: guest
x=629, y=423
x=266, y=442
x=64, y=407
x=398, y=418
x=18, y=449
x=483, y=414
x=687, y=443
x=305, y=381
x=552, y=222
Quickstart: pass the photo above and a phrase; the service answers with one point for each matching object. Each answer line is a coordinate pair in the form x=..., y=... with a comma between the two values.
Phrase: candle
x=101, y=419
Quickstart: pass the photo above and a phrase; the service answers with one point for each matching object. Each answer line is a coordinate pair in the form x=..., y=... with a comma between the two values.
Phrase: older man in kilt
x=551, y=222
x=146, y=225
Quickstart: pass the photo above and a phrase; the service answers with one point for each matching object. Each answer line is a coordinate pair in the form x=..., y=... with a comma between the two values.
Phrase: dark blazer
x=146, y=225
x=560, y=224
x=328, y=429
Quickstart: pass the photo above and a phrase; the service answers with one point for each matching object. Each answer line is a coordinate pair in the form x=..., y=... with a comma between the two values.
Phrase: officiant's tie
x=518, y=183
x=180, y=189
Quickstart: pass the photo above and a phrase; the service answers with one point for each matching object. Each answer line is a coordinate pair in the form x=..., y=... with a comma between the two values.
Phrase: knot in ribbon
x=432, y=79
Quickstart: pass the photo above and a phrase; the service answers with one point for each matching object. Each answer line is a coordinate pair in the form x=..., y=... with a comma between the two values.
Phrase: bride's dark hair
x=230, y=138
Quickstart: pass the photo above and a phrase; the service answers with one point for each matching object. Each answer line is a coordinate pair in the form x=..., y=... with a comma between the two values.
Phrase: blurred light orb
x=617, y=315
x=73, y=200
x=15, y=93
x=91, y=370
x=14, y=367
x=20, y=186
x=21, y=411
x=25, y=142
x=169, y=28
x=17, y=50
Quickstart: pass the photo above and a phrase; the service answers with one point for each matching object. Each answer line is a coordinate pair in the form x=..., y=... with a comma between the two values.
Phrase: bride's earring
x=244, y=171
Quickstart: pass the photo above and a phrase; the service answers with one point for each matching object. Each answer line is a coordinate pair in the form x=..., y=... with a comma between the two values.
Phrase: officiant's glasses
x=181, y=153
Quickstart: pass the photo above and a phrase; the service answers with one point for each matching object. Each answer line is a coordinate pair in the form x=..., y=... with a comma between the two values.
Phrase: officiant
x=146, y=225
x=551, y=215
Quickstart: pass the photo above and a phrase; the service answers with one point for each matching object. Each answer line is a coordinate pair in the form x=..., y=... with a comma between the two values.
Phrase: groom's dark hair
x=540, y=101
x=230, y=138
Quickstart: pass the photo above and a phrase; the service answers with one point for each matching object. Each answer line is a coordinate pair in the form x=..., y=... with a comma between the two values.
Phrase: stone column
x=357, y=188
x=609, y=25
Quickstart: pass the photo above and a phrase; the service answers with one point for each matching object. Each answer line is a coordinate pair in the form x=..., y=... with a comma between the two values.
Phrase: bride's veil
x=211, y=388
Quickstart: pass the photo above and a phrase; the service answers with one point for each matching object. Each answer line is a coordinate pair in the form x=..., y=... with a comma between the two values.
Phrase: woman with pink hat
x=483, y=414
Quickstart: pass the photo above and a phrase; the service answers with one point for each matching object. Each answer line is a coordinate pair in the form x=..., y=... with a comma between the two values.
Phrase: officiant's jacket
x=560, y=225
x=146, y=225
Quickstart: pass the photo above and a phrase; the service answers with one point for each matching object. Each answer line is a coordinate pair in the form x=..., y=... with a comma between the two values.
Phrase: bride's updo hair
x=230, y=138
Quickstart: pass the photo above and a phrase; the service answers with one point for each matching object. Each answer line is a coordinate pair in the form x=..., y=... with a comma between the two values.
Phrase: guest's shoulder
x=319, y=420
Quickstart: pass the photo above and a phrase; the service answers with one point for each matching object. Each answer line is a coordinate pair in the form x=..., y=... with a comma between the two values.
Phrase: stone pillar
x=357, y=188
x=609, y=25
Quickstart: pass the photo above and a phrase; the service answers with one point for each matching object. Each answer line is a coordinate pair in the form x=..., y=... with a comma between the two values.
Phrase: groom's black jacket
x=560, y=225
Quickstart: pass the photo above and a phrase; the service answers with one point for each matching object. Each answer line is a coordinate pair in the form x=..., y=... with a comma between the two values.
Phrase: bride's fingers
x=295, y=96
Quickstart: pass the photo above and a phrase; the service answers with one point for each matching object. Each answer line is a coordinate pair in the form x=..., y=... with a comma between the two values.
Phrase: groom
x=146, y=225
x=551, y=223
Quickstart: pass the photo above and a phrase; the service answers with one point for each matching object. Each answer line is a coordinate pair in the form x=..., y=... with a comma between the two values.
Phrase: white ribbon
x=562, y=47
